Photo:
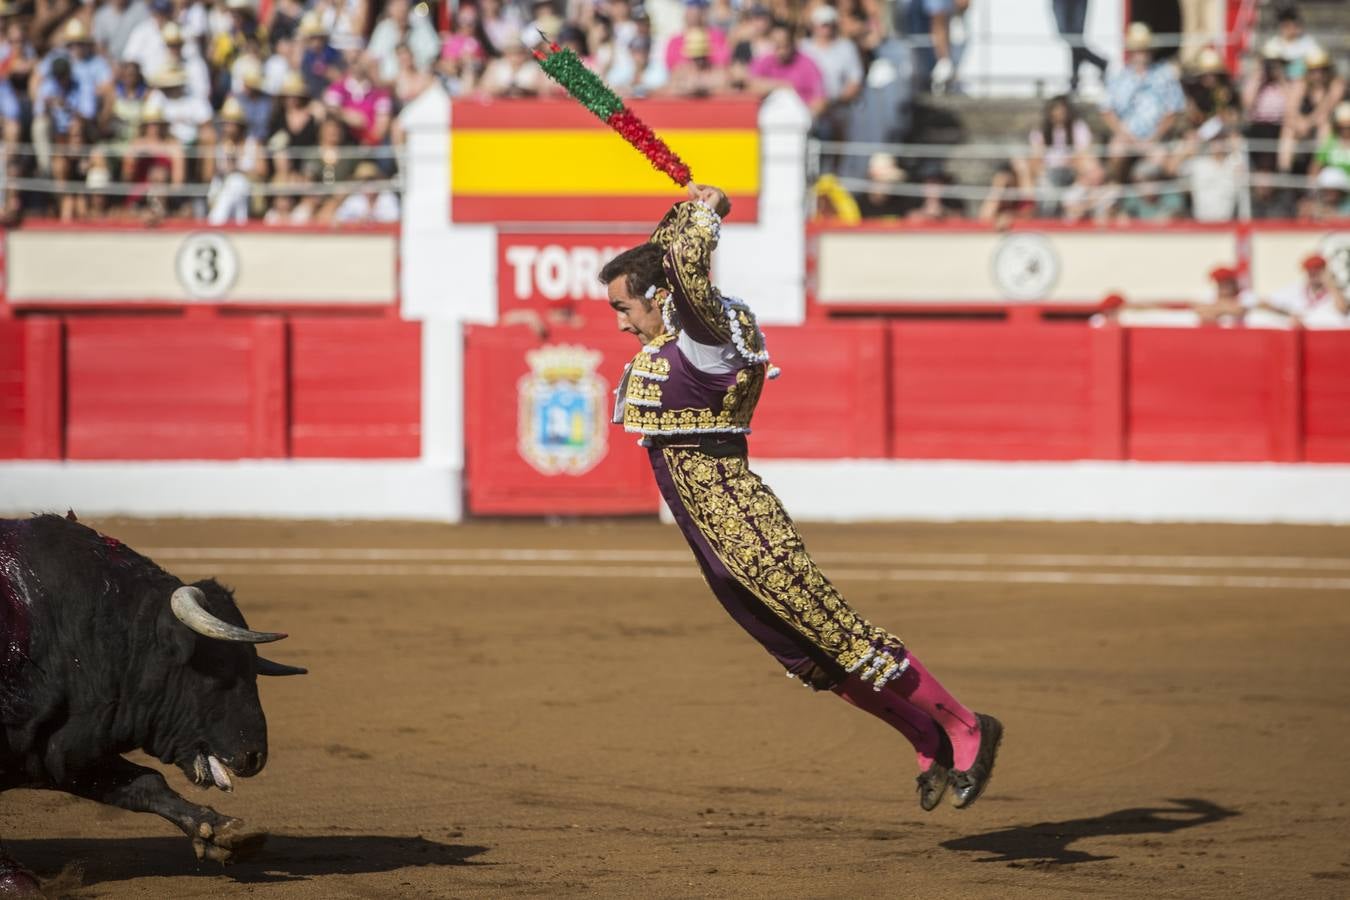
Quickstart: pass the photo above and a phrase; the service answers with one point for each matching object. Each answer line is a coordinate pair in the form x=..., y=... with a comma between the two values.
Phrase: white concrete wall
x=283, y=489
x=938, y=490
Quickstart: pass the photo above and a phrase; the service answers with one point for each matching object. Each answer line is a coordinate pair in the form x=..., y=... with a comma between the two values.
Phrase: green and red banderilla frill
x=566, y=68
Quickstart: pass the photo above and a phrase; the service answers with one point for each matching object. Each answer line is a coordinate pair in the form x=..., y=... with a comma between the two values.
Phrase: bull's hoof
x=229, y=842
x=16, y=881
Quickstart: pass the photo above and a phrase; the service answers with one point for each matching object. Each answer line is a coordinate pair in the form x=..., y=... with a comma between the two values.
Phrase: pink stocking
x=917, y=727
x=920, y=688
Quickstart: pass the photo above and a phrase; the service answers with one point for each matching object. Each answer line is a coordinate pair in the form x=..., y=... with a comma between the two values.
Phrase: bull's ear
x=175, y=640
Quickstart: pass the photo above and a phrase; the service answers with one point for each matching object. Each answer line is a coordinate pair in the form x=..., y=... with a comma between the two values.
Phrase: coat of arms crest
x=562, y=427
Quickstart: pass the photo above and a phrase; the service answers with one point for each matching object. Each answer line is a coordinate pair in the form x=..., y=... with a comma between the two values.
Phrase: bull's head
x=219, y=730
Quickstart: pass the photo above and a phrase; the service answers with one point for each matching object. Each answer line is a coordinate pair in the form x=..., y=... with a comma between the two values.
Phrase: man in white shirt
x=1317, y=301
x=145, y=46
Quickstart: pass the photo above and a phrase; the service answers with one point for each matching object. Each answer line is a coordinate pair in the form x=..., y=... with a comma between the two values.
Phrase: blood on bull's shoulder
x=105, y=652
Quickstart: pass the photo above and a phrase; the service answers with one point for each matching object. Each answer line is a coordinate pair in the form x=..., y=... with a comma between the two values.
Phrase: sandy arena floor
x=581, y=718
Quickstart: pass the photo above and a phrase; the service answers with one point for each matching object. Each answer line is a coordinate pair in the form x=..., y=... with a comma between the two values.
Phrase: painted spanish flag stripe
x=581, y=162
x=643, y=211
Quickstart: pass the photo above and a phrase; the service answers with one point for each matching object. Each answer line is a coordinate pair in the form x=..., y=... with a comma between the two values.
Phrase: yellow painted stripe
x=557, y=162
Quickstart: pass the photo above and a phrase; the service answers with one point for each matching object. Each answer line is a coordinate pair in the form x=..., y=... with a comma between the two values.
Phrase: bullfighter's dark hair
x=642, y=266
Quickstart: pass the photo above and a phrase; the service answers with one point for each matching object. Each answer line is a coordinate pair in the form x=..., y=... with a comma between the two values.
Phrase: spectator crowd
x=1167, y=142
x=286, y=111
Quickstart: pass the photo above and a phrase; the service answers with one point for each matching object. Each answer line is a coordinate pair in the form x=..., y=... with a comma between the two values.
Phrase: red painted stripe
x=565, y=113
x=583, y=209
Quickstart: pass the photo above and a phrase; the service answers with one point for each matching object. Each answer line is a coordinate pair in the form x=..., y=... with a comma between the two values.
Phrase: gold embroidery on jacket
x=754, y=538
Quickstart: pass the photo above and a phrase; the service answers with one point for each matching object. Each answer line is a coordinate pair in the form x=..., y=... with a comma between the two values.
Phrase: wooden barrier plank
x=1212, y=395
x=151, y=387
x=831, y=398
x=995, y=390
x=355, y=388
x=1326, y=396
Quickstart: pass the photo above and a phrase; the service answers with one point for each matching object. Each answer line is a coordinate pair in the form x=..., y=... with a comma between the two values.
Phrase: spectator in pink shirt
x=785, y=67
x=696, y=20
x=365, y=108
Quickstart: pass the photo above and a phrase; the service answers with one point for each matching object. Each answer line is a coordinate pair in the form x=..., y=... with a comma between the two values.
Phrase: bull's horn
x=267, y=667
x=187, y=606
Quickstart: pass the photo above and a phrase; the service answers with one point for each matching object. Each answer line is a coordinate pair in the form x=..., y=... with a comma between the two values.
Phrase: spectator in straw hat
x=185, y=113
x=233, y=161
x=154, y=160
x=86, y=67
x=1312, y=102
x=320, y=64
x=1143, y=99
x=695, y=75
x=256, y=103
x=696, y=19
x=1209, y=91
x=194, y=69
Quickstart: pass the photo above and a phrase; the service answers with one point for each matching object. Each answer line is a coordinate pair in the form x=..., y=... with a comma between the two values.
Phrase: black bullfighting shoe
x=968, y=784
x=932, y=784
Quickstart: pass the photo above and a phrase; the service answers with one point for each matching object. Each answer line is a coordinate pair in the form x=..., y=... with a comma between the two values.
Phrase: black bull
x=104, y=653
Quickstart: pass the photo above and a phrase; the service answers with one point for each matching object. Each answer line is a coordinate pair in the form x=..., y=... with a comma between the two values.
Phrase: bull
x=105, y=652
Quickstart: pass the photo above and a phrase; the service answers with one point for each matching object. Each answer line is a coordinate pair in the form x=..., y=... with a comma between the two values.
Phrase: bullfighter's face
x=637, y=316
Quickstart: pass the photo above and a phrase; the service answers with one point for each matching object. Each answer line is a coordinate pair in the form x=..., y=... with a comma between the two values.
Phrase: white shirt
x=145, y=47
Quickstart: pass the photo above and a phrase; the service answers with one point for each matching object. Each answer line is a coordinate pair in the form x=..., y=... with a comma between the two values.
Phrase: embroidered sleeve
x=689, y=234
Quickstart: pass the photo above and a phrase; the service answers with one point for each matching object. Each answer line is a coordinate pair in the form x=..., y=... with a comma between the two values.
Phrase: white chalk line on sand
x=690, y=571
x=526, y=554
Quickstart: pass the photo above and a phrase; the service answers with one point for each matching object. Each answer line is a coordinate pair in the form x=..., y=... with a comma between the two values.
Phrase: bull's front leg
x=135, y=788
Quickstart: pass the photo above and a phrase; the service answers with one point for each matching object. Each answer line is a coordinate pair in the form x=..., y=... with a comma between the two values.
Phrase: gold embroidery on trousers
x=754, y=538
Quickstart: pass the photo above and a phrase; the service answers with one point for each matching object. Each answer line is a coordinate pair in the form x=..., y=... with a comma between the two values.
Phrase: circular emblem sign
x=206, y=265
x=1026, y=267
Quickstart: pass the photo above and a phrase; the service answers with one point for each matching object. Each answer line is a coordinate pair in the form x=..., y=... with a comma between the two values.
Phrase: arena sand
x=480, y=724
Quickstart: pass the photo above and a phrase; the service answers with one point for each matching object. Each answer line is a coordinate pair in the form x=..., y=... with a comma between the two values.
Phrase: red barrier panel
x=12, y=387
x=159, y=388
x=830, y=400
x=355, y=389
x=1213, y=394
x=43, y=387
x=539, y=440
x=1005, y=390
x=1326, y=396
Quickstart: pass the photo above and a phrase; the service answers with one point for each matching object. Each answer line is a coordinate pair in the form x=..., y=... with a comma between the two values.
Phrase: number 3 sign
x=207, y=265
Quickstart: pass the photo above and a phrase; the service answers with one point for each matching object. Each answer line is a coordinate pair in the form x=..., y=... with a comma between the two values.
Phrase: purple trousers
x=757, y=566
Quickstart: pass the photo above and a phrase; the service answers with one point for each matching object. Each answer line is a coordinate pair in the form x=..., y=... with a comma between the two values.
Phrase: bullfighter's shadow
x=283, y=858
x=1048, y=843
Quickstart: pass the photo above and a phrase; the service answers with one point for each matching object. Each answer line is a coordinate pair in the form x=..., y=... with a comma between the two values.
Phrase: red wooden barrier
x=355, y=388
x=1326, y=396
x=538, y=437
x=12, y=388
x=43, y=388
x=830, y=400
x=1005, y=390
x=148, y=387
x=1213, y=394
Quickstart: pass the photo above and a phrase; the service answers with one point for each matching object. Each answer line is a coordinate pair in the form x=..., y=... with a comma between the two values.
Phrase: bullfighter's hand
x=713, y=197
